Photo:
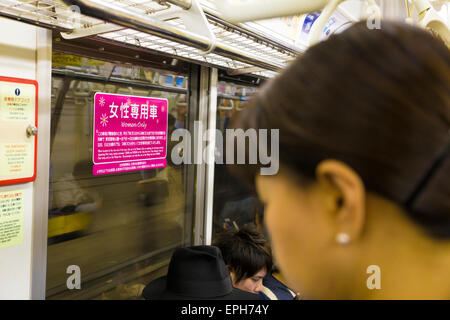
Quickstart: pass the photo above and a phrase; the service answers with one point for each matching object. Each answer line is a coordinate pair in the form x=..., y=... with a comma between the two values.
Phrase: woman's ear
x=347, y=194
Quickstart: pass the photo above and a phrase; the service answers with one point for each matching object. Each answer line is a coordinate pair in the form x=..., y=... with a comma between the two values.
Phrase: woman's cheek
x=285, y=234
x=278, y=234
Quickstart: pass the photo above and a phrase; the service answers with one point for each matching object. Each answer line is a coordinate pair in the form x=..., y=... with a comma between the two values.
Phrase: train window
x=121, y=229
x=234, y=204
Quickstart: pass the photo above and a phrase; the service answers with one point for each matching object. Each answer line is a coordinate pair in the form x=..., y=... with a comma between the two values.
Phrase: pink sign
x=130, y=133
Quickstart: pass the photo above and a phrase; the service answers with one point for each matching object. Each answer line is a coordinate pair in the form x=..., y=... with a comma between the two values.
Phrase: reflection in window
x=234, y=204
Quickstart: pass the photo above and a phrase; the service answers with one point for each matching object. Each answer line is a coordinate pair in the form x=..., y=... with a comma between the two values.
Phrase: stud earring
x=343, y=238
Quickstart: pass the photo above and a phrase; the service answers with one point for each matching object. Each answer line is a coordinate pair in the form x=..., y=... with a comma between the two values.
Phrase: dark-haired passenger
x=360, y=208
x=247, y=256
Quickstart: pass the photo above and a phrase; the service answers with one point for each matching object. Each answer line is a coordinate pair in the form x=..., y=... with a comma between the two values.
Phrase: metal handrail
x=185, y=4
x=122, y=16
x=251, y=10
x=127, y=18
x=259, y=36
x=33, y=22
x=231, y=97
x=114, y=80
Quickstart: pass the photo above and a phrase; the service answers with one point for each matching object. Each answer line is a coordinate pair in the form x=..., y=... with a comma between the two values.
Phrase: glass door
x=117, y=231
x=235, y=204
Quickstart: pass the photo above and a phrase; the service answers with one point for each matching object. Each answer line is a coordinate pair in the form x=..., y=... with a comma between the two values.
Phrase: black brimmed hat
x=196, y=273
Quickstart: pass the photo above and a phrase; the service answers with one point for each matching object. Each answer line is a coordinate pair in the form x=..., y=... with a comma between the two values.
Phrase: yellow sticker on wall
x=11, y=218
x=64, y=60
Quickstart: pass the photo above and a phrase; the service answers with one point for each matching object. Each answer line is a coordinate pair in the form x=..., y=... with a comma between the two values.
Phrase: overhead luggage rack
x=159, y=26
x=45, y=13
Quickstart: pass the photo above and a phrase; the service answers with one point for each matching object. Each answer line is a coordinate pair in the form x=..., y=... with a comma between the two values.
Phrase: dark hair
x=378, y=100
x=245, y=251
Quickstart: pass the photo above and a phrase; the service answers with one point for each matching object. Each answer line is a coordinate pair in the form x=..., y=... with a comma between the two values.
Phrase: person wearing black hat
x=196, y=273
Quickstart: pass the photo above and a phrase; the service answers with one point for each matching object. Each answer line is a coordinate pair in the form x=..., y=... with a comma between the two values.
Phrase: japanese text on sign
x=129, y=129
x=11, y=218
x=18, y=113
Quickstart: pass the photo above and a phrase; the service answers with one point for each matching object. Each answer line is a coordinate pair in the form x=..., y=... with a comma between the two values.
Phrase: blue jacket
x=273, y=289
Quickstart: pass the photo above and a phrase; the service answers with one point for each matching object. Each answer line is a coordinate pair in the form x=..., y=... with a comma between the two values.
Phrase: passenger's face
x=252, y=284
x=301, y=233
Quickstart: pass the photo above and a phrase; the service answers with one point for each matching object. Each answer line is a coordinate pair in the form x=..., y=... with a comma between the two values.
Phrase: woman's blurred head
x=364, y=122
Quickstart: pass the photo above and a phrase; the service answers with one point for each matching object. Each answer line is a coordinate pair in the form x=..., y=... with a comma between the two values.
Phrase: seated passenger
x=247, y=256
x=196, y=273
